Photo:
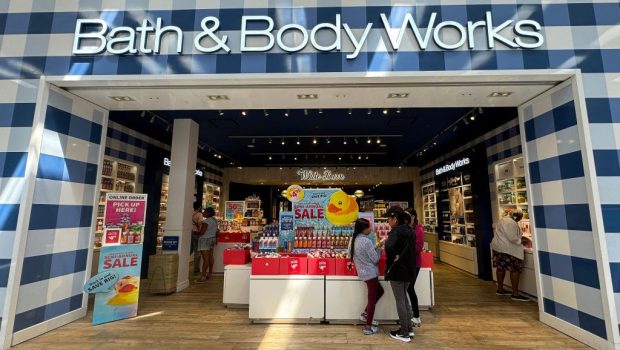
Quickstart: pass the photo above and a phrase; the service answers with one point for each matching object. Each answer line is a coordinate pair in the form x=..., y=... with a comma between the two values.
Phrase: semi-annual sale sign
x=121, y=254
x=121, y=300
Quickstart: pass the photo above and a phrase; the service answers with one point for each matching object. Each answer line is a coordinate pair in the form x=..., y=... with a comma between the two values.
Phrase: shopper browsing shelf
x=418, y=232
x=400, y=264
x=366, y=256
x=508, y=253
x=196, y=229
x=207, y=243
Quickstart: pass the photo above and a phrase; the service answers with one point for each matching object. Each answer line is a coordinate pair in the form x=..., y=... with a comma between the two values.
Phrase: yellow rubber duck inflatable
x=342, y=209
x=127, y=291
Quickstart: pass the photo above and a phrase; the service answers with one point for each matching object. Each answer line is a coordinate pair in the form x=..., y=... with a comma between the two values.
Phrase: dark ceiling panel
x=251, y=139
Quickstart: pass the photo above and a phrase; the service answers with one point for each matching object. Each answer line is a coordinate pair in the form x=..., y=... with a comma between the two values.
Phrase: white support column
x=181, y=192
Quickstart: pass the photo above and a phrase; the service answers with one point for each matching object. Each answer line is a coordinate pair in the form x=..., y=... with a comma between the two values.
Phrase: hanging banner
x=234, y=210
x=286, y=228
x=121, y=255
x=120, y=301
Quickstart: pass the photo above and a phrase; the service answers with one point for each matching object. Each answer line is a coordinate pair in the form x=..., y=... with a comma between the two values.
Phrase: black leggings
x=412, y=296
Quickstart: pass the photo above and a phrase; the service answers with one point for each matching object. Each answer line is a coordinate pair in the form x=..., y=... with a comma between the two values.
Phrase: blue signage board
x=170, y=243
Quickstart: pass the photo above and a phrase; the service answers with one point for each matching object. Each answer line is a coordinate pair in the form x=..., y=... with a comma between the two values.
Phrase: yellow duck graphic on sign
x=342, y=209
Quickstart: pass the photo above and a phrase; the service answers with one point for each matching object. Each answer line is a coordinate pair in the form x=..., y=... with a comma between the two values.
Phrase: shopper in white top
x=508, y=253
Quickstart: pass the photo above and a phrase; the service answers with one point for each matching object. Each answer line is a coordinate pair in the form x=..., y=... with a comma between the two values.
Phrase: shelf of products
x=512, y=192
x=429, y=216
x=253, y=208
x=163, y=207
x=380, y=208
x=211, y=197
x=457, y=210
x=116, y=176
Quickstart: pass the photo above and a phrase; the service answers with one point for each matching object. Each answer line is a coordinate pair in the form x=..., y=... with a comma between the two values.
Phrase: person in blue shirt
x=366, y=256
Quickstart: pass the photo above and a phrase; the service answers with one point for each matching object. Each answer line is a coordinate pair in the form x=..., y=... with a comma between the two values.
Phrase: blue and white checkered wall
x=36, y=39
x=17, y=105
x=59, y=232
x=570, y=284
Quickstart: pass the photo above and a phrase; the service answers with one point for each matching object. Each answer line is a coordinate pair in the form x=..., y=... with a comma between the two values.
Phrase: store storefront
x=65, y=66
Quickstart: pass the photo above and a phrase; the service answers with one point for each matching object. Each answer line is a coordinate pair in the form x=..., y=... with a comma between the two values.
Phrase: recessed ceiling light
x=308, y=96
x=339, y=158
x=369, y=111
x=283, y=142
x=122, y=98
x=314, y=141
x=286, y=113
x=221, y=112
x=298, y=142
x=244, y=113
x=344, y=141
x=398, y=95
x=472, y=117
x=266, y=113
x=398, y=111
x=295, y=158
x=320, y=111
x=218, y=97
x=500, y=94
x=270, y=158
x=385, y=111
x=327, y=141
x=350, y=111
x=378, y=140
x=369, y=141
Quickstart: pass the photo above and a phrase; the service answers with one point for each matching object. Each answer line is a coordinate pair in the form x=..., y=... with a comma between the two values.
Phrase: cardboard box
x=236, y=256
x=266, y=266
x=321, y=266
x=293, y=266
x=345, y=267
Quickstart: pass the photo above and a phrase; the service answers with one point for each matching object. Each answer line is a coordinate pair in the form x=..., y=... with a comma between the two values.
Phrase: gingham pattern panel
x=16, y=117
x=60, y=226
x=566, y=255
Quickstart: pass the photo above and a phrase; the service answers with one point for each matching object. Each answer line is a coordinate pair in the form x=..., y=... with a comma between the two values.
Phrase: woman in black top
x=400, y=265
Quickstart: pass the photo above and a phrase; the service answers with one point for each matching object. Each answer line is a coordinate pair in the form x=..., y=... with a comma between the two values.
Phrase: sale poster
x=120, y=301
x=311, y=210
x=233, y=210
x=125, y=212
x=286, y=228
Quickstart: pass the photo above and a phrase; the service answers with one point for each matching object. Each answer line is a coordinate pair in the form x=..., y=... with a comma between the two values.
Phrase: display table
x=527, y=280
x=346, y=297
x=237, y=285
x=308, y=298
x=286, y=297
x=460, y=256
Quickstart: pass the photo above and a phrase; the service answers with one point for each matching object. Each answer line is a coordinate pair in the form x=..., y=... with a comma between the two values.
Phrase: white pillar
x=181, y=192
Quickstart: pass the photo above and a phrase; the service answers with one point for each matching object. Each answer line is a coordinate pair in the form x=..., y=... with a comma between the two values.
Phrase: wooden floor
x=468, y=315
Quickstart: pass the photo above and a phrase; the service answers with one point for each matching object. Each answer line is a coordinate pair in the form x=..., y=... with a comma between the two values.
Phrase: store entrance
x=449, y=147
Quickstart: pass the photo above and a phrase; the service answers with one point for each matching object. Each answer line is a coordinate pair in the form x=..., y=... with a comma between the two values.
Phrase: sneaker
x=411, y=334
x=363, y=318
x=416, y=322
x=372, y=330
x=396, y=335
x=520, y=298
x=503, y=292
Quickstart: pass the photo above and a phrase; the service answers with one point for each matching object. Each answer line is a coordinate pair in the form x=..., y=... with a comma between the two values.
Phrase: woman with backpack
x=400, y=263
x=366, y=256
